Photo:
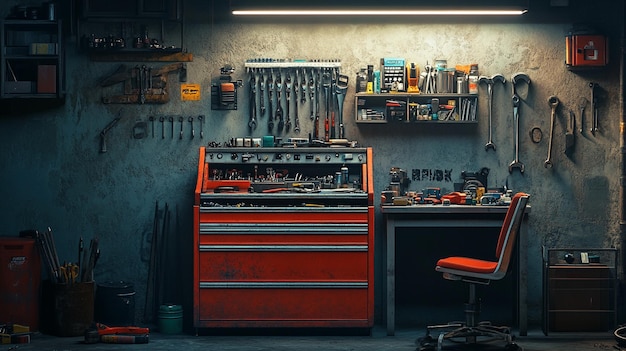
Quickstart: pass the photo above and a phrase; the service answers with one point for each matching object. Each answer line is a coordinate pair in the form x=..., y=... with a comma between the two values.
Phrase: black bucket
x=115, y=303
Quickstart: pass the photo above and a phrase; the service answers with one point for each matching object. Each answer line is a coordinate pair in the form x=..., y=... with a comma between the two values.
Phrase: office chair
x=475, y=271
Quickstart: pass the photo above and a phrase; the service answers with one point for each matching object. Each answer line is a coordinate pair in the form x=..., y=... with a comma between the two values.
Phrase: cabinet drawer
x=235, y=306
x=266, y=263
x=285, y=216
x=579, y=271
x=580, y=299
x=575, y=321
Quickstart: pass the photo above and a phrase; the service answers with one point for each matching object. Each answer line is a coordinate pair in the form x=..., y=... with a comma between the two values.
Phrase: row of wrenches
x=303, y=84
x=172, y=120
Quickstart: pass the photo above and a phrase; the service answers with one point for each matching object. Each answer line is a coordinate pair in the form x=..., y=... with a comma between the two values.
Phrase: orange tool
x=124, y=335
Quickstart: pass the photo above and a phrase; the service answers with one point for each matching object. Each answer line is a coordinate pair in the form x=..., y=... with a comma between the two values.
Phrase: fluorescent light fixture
x=407, y=12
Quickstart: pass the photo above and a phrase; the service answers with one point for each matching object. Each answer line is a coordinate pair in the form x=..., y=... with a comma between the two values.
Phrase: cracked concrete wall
x=54, y=175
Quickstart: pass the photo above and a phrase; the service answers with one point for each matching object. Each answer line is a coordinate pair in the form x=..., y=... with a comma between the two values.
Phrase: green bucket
x=170, y=319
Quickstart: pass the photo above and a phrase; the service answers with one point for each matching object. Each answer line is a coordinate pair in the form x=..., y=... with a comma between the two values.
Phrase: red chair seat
x=468, y=264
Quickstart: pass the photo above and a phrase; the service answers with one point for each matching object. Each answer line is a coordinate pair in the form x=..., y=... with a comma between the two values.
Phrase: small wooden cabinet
x=32, y=61
x=580, y=290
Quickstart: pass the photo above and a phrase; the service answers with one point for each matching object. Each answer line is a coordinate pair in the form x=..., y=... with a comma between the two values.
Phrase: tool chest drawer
x=279, y=251
x=580, y=290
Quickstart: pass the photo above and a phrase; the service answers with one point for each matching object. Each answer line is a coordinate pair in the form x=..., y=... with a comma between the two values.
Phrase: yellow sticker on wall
x=190, y=92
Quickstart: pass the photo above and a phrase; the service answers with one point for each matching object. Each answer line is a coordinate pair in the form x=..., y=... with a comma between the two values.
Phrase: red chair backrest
x=510, y=228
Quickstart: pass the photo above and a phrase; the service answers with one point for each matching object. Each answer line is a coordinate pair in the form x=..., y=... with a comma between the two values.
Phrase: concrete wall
x=54, y=175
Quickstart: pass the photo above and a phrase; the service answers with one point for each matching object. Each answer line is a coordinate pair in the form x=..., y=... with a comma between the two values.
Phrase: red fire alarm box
x=586, y=51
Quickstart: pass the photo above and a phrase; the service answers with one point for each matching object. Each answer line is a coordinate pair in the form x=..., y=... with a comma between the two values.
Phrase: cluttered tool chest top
x=284, y=237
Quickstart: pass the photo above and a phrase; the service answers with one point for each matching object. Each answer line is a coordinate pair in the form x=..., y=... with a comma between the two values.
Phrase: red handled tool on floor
x=116, y=335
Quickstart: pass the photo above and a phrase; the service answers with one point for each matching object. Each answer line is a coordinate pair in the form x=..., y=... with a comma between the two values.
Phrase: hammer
x=490, y=82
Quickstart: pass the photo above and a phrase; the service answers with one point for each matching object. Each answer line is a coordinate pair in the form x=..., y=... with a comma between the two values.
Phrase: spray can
x=370, y=79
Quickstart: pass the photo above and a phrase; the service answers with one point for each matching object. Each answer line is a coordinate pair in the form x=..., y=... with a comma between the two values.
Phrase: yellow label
x=190, y=92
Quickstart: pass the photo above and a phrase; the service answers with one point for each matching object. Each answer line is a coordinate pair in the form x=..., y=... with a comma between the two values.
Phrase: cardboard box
x=18, y=87
x=46, y=79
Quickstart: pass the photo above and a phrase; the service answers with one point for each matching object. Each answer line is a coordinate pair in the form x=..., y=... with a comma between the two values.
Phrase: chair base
x=456, y=335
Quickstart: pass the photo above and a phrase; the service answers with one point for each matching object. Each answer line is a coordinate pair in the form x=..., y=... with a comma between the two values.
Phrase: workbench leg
x=391, y=277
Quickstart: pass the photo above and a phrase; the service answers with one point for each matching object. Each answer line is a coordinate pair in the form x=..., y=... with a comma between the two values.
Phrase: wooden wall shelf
x=128, y=56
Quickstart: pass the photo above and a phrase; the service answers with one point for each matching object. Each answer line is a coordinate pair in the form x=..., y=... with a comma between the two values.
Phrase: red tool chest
x=284, y=237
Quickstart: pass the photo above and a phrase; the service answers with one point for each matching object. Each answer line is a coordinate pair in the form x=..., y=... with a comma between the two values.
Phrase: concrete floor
x=315, y=341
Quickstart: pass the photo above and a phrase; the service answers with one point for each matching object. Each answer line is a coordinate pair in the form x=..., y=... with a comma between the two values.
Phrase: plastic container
x=115, y=303
x=20, y=277
x=170, y=319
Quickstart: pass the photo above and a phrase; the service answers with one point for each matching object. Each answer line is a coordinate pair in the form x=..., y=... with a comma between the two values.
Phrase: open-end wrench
x=262, y=93
x=553, y=101
x=171, y=119
x=193, y=130
x=288, y=87
x=151, y=119
x=516, y=163
x=312, y=95
x=582, y=104
x=252, y=122
x=279, y=109
x=181, y=119
x=162, y=120
x=201, y=119
x=490, y=81
x=318, y=97
x=303, y=84
x=594, y=108
x=326, y=83
x=270, y=98
x=342, y=88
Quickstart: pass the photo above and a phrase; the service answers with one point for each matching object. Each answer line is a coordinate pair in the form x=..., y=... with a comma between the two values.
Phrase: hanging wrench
x=342, y=88
x=490, y=83
x=303, y=87
x=594, y=108
x=270, y=98
x=326, y=83
x=181, y=119
x=288, y=86
x=312, y=95
x=252, y=122
x=516, y=102
x=553, y=101
x=193, y=130
x=582, y=104
x=162, y=120
x=262, y=92
x=279, y=109
x=201, y=119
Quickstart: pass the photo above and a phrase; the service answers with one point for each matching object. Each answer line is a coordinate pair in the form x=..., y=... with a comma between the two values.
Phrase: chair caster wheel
x=426, y=343
x=512, y=347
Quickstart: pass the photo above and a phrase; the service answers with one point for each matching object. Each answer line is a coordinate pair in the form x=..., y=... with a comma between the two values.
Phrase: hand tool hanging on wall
x=490, y=81
x=141, y=84
x=181, y=119
x=594, y=107
x=312, y=95
x=516, y=163
x=553, y=101
x=162, y=120
x=105, y=131
x=279, y=109
x=201, y=120
x=326, y=83
x=193, y=131
x=303, y=85
x=171, y=119
x=288, y=87
x=262, y=93
x=252, y=122
x=318, y=95
x=582, y=104
x=270, y=99
x=342, y=88
x=333, y=99
x=569, y=133
x=296, y=121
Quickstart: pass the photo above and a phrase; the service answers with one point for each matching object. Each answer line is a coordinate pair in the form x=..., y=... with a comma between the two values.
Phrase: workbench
x=452, y=216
